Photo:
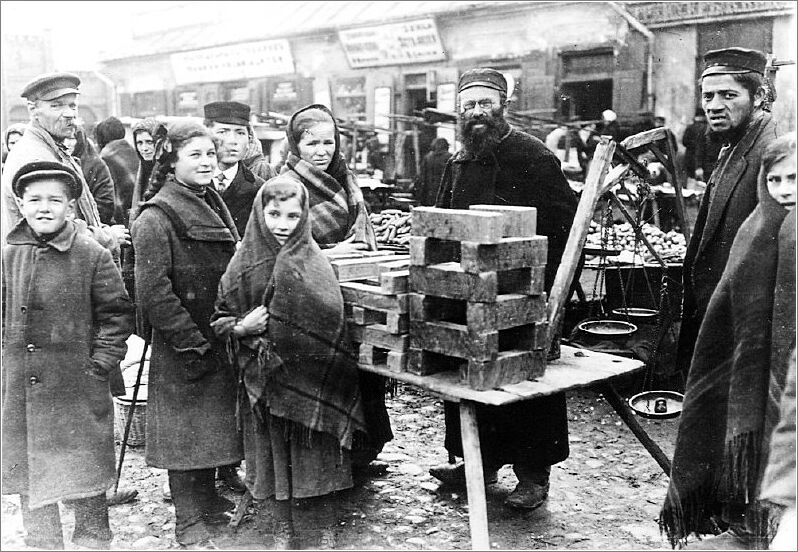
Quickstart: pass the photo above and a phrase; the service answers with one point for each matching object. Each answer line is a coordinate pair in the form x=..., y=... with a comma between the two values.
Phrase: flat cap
x=483, y=76
x=232, y=113
x=50, y=86
x=734, y=61
x=39, y=170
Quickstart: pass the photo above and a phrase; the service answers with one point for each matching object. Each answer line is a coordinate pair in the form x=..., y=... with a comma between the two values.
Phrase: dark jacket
x=429, y=180
x=523, y=172
x=731, y=196
x=123, y=164
x=182, y=249
x=97, y=176
x=66, y=318
x=240, y=194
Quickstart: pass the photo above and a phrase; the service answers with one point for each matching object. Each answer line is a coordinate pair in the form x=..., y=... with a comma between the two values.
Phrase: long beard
x=485, y=139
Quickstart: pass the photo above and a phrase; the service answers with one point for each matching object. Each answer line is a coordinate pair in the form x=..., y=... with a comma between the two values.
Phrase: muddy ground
x=606, y=495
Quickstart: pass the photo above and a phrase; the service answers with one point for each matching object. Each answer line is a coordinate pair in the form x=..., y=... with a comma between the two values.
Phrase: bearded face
x=482, y=122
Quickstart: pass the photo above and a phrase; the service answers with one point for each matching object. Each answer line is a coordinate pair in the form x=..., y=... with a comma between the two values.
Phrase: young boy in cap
x=66, y=318
x=229, y=121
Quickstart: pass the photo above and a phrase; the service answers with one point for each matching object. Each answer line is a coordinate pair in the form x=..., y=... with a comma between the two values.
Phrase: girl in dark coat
x=184, y=237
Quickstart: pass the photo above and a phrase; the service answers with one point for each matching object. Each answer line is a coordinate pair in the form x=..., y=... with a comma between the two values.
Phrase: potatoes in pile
x=671, y=246
x=392, y=226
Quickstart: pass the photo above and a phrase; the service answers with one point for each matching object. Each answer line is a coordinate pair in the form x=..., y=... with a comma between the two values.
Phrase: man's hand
x=121, y=234
x=253, y=323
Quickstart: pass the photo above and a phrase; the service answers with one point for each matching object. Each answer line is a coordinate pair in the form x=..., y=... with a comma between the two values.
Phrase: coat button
x=34, y=380
x=24, y=309
x=31, y=347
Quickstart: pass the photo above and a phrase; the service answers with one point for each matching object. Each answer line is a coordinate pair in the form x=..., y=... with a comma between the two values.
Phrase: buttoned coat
x=731, y=196
x=240, y=194
x=66, y=317
x=182, y=249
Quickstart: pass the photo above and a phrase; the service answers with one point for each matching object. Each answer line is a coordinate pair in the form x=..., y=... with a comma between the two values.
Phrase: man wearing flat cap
x=229, y=122
x=732, y=96
x=500, y=165
x=53, y=108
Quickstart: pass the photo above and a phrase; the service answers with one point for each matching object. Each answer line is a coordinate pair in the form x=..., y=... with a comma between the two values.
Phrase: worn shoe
x=528, y=496
x=454, y=474
x=728, y=540
x=229, y=476
x=91, y=542
x=361, y=474
x=121, y=496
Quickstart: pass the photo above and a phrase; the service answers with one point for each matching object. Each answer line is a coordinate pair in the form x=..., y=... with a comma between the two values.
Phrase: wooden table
x=576, y=368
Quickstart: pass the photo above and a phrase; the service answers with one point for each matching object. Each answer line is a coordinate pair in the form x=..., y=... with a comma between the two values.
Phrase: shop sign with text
x=411, y=42
x=236, y=62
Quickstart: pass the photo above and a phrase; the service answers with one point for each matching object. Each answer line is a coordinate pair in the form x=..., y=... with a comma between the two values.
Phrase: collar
x=229, y=174
x=22, y=234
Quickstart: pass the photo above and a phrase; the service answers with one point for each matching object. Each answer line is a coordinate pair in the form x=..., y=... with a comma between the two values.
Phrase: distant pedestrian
x=122, y=162
x=429, y=180
x=65, y=322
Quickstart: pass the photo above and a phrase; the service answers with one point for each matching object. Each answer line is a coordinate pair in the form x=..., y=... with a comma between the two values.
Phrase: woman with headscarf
x=737, y=374
x=340, y=223
x=281, y=312
x=184, y=238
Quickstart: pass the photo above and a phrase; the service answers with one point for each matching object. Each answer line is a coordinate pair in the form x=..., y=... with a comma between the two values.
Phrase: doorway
x=585, y=100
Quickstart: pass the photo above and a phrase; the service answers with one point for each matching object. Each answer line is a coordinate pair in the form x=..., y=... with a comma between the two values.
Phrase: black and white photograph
x=398, y=275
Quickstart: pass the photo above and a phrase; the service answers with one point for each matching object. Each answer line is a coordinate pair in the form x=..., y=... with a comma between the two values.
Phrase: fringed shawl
x=721, y=445
x=337, y=209
x=302, y=368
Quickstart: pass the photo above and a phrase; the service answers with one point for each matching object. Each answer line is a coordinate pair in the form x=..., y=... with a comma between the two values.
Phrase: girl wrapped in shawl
x=281, y=311
x=737, y=375
x=339, y=224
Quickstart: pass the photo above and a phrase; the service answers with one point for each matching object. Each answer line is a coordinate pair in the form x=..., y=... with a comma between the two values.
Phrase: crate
x=138, y=428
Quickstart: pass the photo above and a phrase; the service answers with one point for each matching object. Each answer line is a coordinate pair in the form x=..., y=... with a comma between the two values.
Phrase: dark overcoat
x=123, y=164
x=182, y=249
x=521, y=171
x=730, y=196
x=66, y=317
x=240, y=194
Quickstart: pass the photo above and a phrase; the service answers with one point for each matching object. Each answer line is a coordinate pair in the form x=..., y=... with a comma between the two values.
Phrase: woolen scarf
x=721, y=445
x=338, y=211
x=302, y=369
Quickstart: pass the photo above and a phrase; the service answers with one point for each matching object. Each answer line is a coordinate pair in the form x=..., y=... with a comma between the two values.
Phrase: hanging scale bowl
x=657, y=404
x=608, y=328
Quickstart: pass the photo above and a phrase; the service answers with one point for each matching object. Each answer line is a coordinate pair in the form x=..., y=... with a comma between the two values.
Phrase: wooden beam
x=475, y=478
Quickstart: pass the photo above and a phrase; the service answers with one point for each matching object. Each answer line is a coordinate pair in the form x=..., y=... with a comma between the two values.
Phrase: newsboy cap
x=483, y=76
x=50, y=86
x=734, y=61
x=232, y=113
x=39, y=170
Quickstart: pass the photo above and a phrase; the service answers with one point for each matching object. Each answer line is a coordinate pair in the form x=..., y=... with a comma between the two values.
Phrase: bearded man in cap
x=229, y=122
x=500, y=165
x=732, y=97
x=53, y=108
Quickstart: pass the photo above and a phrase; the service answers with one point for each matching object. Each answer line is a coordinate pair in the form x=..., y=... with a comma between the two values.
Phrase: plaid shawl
x=337, y=208
x=302, y=369
x=721, y=446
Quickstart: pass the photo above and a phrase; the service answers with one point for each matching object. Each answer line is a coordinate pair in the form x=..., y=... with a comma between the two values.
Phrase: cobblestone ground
x=606, y=495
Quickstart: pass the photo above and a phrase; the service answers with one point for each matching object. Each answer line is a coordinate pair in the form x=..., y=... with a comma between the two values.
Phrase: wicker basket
x=138, y=429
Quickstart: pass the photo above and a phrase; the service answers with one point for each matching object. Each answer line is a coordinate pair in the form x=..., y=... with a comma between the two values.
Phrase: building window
x=350, y=98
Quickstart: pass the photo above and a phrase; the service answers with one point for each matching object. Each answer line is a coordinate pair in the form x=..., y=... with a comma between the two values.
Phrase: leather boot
x=454, y=474
x=189, y=501
x=532, y=489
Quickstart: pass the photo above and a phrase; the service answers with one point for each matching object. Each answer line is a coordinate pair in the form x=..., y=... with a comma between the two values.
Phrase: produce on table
x=671, y=246
x=391, y=226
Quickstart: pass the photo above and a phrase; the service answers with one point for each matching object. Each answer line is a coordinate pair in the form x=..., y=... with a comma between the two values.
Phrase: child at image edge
x=66, y=317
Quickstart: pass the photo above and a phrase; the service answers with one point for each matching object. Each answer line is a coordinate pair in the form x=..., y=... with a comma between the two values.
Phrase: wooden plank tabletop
x=574, y=369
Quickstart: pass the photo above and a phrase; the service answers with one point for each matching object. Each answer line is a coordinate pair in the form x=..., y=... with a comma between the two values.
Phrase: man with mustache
x=229, y=122
x=500, y=165
x=732, y=97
